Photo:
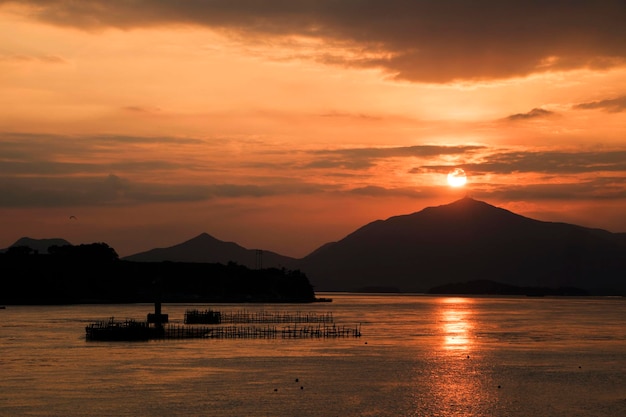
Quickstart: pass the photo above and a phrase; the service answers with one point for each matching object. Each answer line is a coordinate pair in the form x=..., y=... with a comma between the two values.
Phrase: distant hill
x=39, y=245
x=469, y=240
x=205, y=248
x=464, y=241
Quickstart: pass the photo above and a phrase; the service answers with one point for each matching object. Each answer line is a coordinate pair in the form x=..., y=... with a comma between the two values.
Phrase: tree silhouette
x=93, y=252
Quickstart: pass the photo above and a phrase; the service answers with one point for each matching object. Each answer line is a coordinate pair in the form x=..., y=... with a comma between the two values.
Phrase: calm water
x=418, y=356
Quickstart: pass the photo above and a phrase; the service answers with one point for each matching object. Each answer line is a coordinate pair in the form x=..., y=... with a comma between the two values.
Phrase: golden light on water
x=458, y=389
x=456, y=323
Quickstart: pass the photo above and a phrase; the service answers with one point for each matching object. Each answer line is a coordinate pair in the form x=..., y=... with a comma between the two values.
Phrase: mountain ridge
x=466, y=240
x=205, y=248
x=38, y=245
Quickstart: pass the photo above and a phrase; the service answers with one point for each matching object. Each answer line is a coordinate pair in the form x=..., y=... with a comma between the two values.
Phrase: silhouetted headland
x=93, y=273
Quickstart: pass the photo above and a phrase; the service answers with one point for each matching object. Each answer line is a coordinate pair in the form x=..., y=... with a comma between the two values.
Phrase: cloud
x=113, y=190
x=398, y=151
x=63, y=191
x=548, y=162
x=356, y=116
x=533, y=114
x=603, y=188
x=46, y=59
x=412, y=40
x=142, y=109
x=614, y=105
x=364, y=158
x=49, y=153
x=556, y=162
x=377, y=191
x=38, y=170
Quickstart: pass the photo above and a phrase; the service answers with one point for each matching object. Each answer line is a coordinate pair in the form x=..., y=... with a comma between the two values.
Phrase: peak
x=40, y=245
x=467, y=201
x=203, y=236
x=205, y=239
x=464, y=203
x=467, y=208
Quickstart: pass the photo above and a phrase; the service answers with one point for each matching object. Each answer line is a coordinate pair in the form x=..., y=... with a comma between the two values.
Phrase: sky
x=284, y=125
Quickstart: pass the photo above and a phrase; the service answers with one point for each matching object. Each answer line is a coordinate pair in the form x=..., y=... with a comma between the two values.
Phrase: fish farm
x=210, y=324
x=244, y=316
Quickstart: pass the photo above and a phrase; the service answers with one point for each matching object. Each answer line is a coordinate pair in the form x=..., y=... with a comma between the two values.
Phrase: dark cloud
x=614, y=105
x=357, y=116
x=364, y=158
x=35, y=172
x=44, y=143
x=533, y=114
x=115, y=191
x=142, y=109
x=342, y=163
x=432, y=41
x=39, y=148
x=422, y=151
x=596, y=188
x=542, y=162
x=64, y=191
x=41, y=154
x=376, y=191
x=47, y=59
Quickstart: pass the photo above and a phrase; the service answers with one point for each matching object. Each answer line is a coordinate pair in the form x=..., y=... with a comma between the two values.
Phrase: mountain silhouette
x=466, y=240
x=38, y=245
x=469, y=240
x=205, y=248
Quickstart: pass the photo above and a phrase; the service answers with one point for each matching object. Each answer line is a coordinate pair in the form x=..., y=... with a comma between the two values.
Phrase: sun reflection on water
x=456, y=323
x=457, y=384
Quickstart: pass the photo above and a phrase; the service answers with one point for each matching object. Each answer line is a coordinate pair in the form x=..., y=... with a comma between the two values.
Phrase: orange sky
x=285, y=125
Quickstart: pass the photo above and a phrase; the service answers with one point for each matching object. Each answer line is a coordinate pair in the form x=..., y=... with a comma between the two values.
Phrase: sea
x=417, y=355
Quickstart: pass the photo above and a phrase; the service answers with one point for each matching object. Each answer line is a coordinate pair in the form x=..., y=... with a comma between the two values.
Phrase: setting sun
x=457, y=178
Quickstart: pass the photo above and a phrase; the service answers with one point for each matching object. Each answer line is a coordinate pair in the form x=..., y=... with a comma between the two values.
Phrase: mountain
x=464, y=241
x=38, y=245
x=207, y=249
x=469, y=240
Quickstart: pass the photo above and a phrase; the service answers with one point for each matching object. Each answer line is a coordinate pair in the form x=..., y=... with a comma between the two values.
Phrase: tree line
x=93, y=273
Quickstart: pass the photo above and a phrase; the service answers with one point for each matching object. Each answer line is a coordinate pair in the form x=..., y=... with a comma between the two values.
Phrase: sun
x=457, y=178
